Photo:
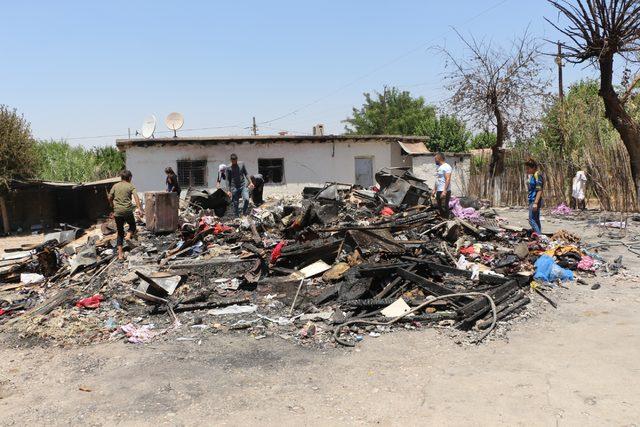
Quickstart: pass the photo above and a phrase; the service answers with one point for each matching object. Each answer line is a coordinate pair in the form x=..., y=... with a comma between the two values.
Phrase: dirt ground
x=577, y=365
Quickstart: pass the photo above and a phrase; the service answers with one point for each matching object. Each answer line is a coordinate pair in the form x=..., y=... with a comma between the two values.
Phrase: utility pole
x=559, y=62
x=561, y=118
x=254, y=128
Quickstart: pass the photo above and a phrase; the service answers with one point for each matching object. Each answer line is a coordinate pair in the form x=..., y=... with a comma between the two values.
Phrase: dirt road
x=577, y=365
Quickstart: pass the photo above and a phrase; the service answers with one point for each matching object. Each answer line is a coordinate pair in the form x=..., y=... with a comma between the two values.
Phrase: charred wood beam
x=479, y=306
x=370, y=302
x=484, y=278
x=180, y=308
x=427, y=285
x=326, y=296
x=395, y=282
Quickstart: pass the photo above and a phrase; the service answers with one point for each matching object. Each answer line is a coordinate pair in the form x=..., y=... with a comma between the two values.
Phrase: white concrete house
x=288, y=163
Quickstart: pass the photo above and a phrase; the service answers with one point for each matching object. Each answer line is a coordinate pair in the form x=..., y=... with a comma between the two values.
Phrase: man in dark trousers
x=238, y=180
x=442, y=186
x=120, y=199
x=258, y=186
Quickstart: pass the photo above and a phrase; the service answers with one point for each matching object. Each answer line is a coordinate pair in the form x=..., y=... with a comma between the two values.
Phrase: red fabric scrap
x=90, y=302
x=2, y=312
x=468, y=250
x=386, y=211
x=221, y=228
x=277, y=251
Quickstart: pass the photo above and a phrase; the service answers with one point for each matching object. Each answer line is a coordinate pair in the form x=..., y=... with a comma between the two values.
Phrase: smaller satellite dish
x=174, y=121
x=148, y=127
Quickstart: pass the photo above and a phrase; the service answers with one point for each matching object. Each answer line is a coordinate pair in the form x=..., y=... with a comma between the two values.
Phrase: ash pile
x=333, y=267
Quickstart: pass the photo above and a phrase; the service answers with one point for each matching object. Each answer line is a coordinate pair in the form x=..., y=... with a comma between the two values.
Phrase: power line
x=384, y=65
x=122, y=135
x=318, y=100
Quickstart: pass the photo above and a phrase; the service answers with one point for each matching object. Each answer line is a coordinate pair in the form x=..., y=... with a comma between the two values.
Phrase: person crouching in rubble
x=535, y=186
x=173, y=186
x=237, y=178
x=120, y=200
x=258, y=187
x=442, y=187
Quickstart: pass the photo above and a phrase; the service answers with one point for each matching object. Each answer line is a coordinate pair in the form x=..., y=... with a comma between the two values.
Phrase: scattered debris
x=332, y=267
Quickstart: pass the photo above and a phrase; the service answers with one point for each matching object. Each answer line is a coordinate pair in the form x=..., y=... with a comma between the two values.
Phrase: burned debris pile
x=330, y=268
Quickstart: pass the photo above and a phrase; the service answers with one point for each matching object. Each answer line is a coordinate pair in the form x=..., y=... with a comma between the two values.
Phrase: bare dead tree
x=499, y=88
x=598, y=30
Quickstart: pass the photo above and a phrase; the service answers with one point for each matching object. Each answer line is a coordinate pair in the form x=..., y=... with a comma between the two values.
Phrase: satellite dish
x=174, y=121
x=148, y=127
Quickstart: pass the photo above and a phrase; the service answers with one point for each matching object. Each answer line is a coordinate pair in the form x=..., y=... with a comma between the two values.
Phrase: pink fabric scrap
x=138, y=334
x=465, y=213
x=586, y=263
x=562, y=209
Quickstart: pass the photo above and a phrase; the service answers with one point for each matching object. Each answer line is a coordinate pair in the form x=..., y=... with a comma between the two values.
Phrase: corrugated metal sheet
x=414, y=147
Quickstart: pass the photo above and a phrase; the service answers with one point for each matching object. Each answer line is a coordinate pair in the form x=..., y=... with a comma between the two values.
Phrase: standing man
x=535, y=186
x=258, y=187
x=237, y=178
x=120, y=200
x=442, y=187
x=577, y=190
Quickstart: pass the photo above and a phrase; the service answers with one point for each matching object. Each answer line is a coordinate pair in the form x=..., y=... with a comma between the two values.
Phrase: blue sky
x=86, y=69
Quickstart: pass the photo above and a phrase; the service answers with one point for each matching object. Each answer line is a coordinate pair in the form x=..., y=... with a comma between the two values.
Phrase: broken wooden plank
x=52, y=303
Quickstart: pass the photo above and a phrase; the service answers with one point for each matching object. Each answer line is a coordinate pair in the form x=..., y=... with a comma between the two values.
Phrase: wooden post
x=5, y=215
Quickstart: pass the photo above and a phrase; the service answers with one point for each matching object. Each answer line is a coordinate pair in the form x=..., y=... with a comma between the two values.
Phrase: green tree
x=18, y=157
x=392, y=112
x=109, y=161
x=396, y=112
x=567, y=127
x=445, y=133
x=596, y=33
x=484, y=139
x=60, y=161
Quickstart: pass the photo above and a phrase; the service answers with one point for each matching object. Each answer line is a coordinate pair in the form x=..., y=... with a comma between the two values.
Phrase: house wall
x=49, y=206
x=425, y=167
x=398, y=159
x=31, y=206
x=305, y=163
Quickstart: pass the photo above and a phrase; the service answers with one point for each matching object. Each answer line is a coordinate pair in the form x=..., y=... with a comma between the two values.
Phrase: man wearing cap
x=238, y=180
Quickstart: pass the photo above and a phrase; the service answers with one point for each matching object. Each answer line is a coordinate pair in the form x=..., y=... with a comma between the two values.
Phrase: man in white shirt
x=578, y=190
x=442, y=187
x=221, y=181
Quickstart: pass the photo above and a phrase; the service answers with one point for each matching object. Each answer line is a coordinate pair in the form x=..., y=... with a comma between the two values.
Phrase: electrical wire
x=159, y=132
x=318, y=100
x=380, y=67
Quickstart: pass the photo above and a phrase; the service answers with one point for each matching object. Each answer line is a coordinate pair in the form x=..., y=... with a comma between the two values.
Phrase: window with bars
x=192, y=173
x=272, y=170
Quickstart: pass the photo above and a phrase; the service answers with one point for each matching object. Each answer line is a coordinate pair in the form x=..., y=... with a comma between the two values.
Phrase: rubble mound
x=342, y=264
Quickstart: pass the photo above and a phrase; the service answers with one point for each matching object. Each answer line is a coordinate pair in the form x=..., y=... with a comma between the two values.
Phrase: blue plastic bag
x=548, y=271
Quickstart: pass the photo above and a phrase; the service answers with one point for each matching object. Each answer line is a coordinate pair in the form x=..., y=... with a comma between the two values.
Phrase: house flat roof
x=18, y=183
x=123, y=144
